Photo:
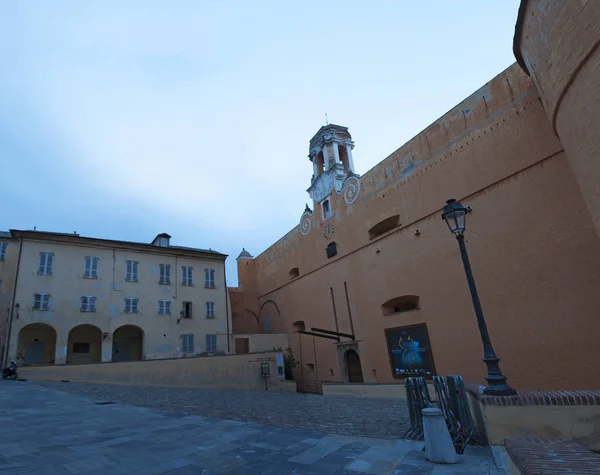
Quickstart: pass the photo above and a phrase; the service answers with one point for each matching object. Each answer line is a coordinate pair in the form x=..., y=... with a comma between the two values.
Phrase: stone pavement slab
x=47, y=431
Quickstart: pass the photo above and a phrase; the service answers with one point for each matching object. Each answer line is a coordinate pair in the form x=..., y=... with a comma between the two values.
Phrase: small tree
x=289, y=363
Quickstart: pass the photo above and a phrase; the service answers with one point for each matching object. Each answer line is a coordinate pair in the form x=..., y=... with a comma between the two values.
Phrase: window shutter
x=168, y=307
x=46, y=301
x=84, y=303
x=92, y=304
x=94, y=267
x=42, y=265
x=50, y=263
x=135, y=305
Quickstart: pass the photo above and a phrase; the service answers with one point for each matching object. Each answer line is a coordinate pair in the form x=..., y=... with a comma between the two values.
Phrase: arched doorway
x=37, y=344
x=128, y=343
x=353, y=367
x=85, y=344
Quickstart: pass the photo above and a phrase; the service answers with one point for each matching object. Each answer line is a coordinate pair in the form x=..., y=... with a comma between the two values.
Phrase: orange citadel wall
x=532, y=244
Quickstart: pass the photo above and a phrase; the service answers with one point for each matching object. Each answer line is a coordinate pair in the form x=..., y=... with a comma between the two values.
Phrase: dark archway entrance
x=85, y=344
x=353, y=367
x=37, y=344
x=128, y=343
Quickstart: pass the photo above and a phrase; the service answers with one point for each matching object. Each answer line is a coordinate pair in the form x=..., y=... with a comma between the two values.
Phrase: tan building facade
x=372, y=258
x=72, y=299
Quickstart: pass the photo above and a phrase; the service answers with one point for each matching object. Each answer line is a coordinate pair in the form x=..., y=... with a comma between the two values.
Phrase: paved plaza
x=47, y=431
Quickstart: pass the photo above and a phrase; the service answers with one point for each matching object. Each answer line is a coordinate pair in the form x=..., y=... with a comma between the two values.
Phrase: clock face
x=328, y=231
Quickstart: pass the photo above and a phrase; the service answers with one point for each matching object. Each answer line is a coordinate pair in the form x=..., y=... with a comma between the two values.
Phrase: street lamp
x=455, y=216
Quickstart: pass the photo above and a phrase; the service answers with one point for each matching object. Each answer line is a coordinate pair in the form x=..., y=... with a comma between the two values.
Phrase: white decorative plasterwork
x=322, y=187
x=305, y=222
x=351, y=189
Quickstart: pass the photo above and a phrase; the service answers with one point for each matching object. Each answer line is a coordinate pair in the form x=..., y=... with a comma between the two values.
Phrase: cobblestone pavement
x=367, y=417
x=44, y=431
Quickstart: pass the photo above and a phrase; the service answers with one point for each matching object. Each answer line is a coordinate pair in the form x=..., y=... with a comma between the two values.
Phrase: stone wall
x=230, y=371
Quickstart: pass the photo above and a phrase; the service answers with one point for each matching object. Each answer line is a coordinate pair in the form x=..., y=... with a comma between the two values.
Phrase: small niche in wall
x=384, y=226
x=402, y=304
x=295, y=272
x=310, y=367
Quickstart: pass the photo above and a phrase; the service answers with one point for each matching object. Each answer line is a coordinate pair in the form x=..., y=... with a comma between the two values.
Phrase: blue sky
x=123, y=119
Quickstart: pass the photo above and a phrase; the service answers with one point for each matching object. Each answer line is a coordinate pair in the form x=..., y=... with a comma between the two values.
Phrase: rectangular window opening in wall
x=132, y=271
x=3, y=246
x=209, y=278
x=187, y=275
x=164, y=307
x=384, y=226
x=210, y=310
x=165, y=274
x=88, y=303
x=187, y=309
x=46, y=264
x=242, y=346
x=187, y=343
x=211, y=343
x=326, y=206
x=310, y=367
x=90, y=270
x=41, y=301
x=131, y=305
x=81, y=348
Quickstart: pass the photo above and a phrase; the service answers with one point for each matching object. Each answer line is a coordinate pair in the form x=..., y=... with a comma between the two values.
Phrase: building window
x=2, y=250
x=326, y=209
x=211, y=343
x=81, y=347
x=46, y=263
x=164, y=307
x=187, y=343
x=209, y=278
x=165, y=274
x=88, y=303
x=132, y=271
x=384, y=226
x=187, y=309
x=210, y=310
x=131, y=305
x=331, y=249
x=400, y=304
x=163, y=242
x=41, y=301
x=90, y=270
x=186, y=275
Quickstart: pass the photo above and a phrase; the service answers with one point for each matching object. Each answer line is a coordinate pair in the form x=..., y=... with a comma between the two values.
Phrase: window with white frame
x=186, y=275
x=163, y=242
x=187, y=343
x=131, y=305
x=88, y=303
x=211, y=343
x=209, y=278
x=164, y=307
x=132, y=271
x=210, y=310
x=46, y=263
x=90, y=270
x=326, y=209
x=41, y=301
x=3, y=246
x=165, y=274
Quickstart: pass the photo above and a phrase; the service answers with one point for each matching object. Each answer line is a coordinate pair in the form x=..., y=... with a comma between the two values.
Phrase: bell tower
x=330, y=152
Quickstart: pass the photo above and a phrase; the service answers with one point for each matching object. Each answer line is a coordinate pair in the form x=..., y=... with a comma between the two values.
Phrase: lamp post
x=455, y=216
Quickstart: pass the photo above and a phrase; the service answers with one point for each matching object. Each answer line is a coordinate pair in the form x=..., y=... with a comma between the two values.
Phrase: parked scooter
x=10, y=371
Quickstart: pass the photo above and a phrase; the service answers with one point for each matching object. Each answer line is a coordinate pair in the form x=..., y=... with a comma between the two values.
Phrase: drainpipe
x=226, y=306
x=12, y=304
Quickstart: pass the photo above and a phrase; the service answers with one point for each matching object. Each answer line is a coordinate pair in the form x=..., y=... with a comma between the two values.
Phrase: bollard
x=438, y=444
